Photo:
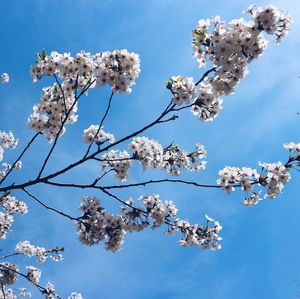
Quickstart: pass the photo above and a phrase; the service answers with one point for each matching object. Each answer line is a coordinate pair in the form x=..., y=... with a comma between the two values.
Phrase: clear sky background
x=260, y=255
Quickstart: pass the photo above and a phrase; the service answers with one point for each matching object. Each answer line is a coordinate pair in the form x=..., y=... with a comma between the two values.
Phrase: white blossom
x=277, y=175
x=294, y=149
x=230, y=176
x=25, y=247
x=93, y=133
x=252, y=199
x=4, y=78
x=33, y=274
x=5, y=224
x=8, y=294
x=157, y=209
x=272, y=21
x=50, y=292
x=13, y=205
x=206, y=237
x=18, y=165
x=174, y=159
x=75, y=295
x=183, y=89
x=24, y=293
x=7, y=140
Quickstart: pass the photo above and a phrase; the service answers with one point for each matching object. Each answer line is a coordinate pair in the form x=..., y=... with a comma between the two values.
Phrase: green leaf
x=199, y=34
x=41, y=56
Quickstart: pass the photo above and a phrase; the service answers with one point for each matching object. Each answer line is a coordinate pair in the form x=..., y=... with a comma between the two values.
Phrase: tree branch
x=49, y=208
x=88, y=84
x=42, y=289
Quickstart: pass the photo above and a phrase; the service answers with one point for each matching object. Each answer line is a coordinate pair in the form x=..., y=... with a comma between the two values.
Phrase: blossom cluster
x=94, y=133
x=175, y=160
x=6, y=221
x=33, y=274
x=10, y=205
x=135, y=220
x=97, y=224
x=23, y=292
x=159, y=211
x=277, y=175
x=57, y=107
x=4, y=78
x=172, y=159
x=49, y=291
x=118, y=68
x=229, y=48
x=149, y=152
x=8, y=273
x=207, y=105
x=41, y=253
x=26, y=248
x=206, y=236
x=294, y=149
x=245, y=177
x=271, y=20
x=13, y=205
x=7, y=140
x=182, y=88
x=119, y=161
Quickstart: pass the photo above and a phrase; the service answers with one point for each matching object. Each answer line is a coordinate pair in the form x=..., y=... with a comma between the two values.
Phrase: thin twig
x=100, y=124
x=205, y=75
x=10, y=255
x=122, y=201
x=49, y=208
x=3, y=293
x=161, y=181
x=20, y=156
x=62, y=91
x=184, y=107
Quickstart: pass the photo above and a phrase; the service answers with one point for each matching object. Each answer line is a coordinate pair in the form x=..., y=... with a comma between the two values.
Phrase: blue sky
x=260, y=255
